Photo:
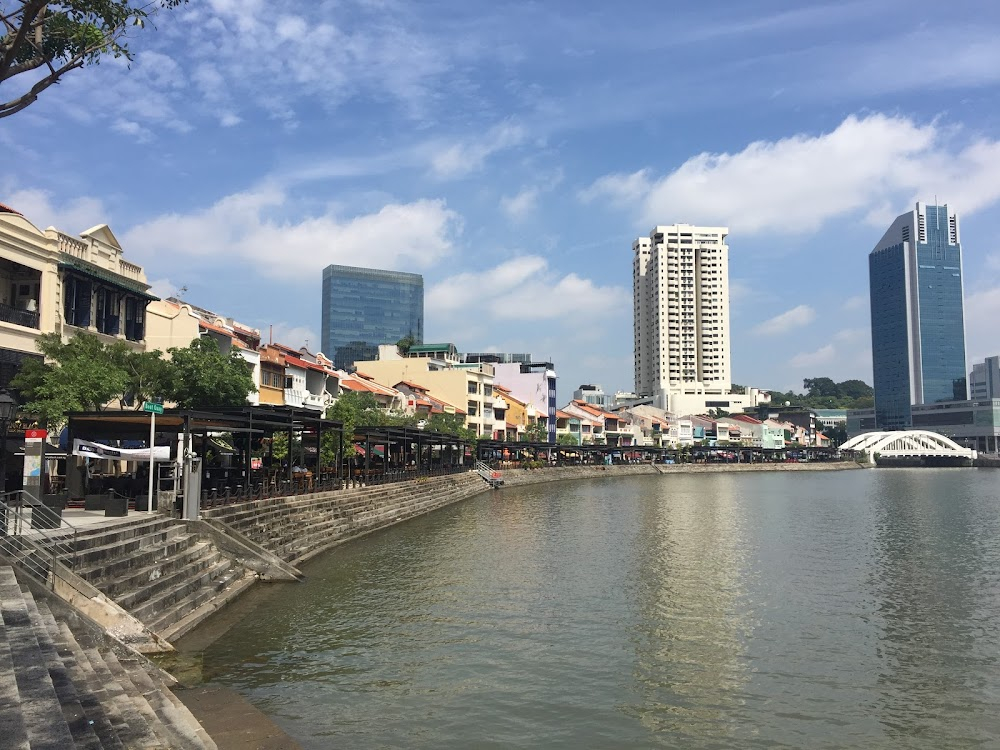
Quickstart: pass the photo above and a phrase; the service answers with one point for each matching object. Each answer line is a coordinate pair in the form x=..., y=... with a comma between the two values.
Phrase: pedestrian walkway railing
x=33, y=536
x=491, y=476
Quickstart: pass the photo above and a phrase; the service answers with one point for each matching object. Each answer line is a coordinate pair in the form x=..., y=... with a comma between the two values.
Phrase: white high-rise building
x=680, y=283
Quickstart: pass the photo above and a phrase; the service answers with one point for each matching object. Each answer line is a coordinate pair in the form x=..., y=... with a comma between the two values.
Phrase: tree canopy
x=201, y=376
x=824, y=393
x=85, y=374
x=57, y=36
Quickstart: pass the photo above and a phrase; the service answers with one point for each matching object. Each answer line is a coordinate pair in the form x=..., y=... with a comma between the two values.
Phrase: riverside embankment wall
x=517, y=477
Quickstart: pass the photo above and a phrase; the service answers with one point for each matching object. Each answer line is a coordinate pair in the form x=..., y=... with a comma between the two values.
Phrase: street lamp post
x=8, y=411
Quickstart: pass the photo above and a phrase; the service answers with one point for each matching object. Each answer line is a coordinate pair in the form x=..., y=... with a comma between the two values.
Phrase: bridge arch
x=907, y=444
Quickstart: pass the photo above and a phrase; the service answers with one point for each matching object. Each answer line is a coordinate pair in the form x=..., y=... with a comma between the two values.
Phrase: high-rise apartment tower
x=680, y=284
x=365, y=307
x=918, y=320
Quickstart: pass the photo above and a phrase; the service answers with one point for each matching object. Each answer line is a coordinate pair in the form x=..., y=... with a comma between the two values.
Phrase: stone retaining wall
x=517, y=477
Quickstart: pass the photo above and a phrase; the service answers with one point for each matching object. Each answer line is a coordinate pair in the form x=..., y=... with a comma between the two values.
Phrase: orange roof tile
x=212, y=327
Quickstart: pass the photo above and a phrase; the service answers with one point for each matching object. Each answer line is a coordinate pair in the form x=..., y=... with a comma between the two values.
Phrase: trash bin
x=94, y=502
x=142, y=502
x=116, y=506
x=48, y=514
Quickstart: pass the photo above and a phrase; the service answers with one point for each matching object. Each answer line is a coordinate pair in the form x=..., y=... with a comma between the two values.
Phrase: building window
x=473, y=387
x=76, y=302
x=135, y=319
x=108, y=311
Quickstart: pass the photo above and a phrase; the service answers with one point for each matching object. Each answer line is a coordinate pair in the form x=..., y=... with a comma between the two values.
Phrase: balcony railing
x=25, y=318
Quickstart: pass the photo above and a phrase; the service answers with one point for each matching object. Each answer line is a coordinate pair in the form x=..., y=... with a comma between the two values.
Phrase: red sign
x=35, y=434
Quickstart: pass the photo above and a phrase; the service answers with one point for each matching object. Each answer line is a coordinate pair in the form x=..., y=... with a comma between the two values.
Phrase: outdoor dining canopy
x=263, y=421
x=387, y=450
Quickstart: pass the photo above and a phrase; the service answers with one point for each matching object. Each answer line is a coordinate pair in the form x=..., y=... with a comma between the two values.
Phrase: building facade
x=366, y=307
x=984, y=380
x=680, y=285
x=535, y=384
x=51, y=282
x=917, y=314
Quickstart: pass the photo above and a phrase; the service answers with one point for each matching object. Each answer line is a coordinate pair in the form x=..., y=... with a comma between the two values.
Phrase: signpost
x=153, y=409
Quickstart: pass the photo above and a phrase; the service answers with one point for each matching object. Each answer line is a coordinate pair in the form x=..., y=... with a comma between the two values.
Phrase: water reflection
x=829, y=610
x=937, y=581
x=690, y=639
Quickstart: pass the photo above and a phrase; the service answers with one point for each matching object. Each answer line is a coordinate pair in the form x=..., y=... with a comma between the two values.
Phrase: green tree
x=57, y=36
x=564, y=438
x=200, y=376
x=536, y=432
x=354, y=410
x=450, y=424
x=147, y=374
x=405, y=343
x=80, y=375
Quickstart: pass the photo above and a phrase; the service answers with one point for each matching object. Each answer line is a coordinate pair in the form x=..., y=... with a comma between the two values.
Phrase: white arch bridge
x=911, y=446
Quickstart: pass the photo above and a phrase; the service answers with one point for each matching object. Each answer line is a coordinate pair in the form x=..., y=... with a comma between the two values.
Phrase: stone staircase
x=297, y=528
x=62, y=686
x=167, y=577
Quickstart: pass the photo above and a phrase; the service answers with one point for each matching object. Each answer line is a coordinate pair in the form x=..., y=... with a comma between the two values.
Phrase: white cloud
x=460, y=159
x=855, y=303
x=801, y=315
x=519, y=206
x=524, y=289
x=71, y=217
x=239, y=228
x=982, y=310
x=867, y=165
x=163, y=288
x=292, y=335
x=134, y=129
x=822, y=356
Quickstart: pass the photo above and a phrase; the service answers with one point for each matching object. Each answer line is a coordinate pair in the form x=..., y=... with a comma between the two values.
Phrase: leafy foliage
x=451, y=424
x=62, y=35
x=536, y=432
x=564, y=438
x=85, y=374
x=201, y=376
x=81, y=375
x=824, y=393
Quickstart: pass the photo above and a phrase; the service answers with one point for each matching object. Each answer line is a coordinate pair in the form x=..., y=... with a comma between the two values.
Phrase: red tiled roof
x=745, y=418
x=304, y=364
x=8, y=210
x=212, y=327
x=414, y=386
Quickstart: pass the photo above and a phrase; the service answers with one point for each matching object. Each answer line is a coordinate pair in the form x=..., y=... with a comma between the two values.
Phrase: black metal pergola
x=390, y=454
x=239, y=481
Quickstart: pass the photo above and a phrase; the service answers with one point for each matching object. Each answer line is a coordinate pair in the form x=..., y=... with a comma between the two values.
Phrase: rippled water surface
x=830, y=609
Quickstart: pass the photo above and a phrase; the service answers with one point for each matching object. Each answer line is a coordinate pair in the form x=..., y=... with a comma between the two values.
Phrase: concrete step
x=12, y=727
x=124, y=587
x=95, y=700
x=99, y=548
x=37, y=695
x=112, y=566
x=134, y=731
x=176, y=720
x=196, y=579
x=73, y=713
x=201, y=605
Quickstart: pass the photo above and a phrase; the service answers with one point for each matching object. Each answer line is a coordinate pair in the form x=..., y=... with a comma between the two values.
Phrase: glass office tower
x=918, y=321
x=365, y=307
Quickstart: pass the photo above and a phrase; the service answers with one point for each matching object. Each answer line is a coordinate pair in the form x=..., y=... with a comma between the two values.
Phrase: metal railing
x=490, y=475
x=27, y=538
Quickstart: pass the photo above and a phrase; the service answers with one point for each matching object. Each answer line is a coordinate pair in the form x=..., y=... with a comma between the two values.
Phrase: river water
x=851, y=609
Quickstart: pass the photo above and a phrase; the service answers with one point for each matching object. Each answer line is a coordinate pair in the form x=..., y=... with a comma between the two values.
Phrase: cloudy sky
x=510, y=152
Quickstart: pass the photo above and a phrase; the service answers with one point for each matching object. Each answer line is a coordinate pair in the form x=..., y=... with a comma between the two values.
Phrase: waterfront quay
x=140, y=584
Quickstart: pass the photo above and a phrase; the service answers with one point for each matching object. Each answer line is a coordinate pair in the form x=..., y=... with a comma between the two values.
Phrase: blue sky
x=511, y=152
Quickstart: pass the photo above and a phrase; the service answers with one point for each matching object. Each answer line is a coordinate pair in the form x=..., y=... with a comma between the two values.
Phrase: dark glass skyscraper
x=918, y=321
x=365, y=307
